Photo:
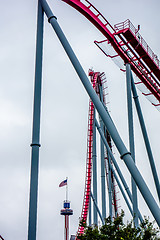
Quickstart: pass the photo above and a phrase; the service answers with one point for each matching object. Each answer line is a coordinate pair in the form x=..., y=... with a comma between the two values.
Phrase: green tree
x=117, y=230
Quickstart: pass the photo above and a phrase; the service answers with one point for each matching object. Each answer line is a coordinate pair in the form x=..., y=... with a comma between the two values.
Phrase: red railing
x=97, y=19
x=128, y=25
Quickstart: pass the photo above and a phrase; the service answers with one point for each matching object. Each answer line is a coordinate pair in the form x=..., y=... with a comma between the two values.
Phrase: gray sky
x=64, y=110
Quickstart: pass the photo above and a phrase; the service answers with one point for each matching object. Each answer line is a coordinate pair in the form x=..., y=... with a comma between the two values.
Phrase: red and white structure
x=124, y=44
x=66, y=211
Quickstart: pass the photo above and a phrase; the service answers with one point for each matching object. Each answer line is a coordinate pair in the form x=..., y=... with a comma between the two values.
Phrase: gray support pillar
x=103, y=187
x=94, y=160
x=110, y=186
x=145, y=136
x=131, y=140
x=36, y=129
x=125, y=154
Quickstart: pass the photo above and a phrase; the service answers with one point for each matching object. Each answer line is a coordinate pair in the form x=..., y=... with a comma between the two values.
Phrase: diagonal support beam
x=121, y=189
x=97, y=208
x=116, y=166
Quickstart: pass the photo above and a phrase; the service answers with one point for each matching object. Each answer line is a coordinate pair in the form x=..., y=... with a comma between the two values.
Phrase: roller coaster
x=127, y=48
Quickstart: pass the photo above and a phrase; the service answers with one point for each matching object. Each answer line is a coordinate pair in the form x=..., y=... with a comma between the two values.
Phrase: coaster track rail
x=143, y=61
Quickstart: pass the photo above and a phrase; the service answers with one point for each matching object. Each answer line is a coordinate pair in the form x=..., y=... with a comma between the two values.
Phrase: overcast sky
x=64, y=115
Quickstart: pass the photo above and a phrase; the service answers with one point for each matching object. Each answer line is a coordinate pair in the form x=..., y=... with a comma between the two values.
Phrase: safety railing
x=128, y=25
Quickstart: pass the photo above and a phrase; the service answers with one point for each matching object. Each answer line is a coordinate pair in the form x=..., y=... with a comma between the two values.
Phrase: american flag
x=63, y=183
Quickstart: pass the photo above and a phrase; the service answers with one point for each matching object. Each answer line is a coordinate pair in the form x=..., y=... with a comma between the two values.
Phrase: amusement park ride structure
x=127, y=45
x=66, y=212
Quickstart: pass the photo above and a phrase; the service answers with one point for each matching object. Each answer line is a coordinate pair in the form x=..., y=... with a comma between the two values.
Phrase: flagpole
x=67, y=189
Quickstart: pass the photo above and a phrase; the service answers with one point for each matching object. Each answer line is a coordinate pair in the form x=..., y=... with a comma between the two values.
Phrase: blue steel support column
x=109, y=186
x=36, y=129
x=94, y=160
x=116, y=166
x=125, y=154
x=109, y=170
x=145, y=136
x=103, y=188
x=131, y=140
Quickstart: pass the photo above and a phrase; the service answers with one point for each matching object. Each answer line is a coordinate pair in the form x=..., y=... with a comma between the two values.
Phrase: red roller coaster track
x=127, y=43
x=87, y=190
x=97, y=79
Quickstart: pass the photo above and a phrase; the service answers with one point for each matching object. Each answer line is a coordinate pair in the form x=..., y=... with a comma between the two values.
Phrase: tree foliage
x=117, y=230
